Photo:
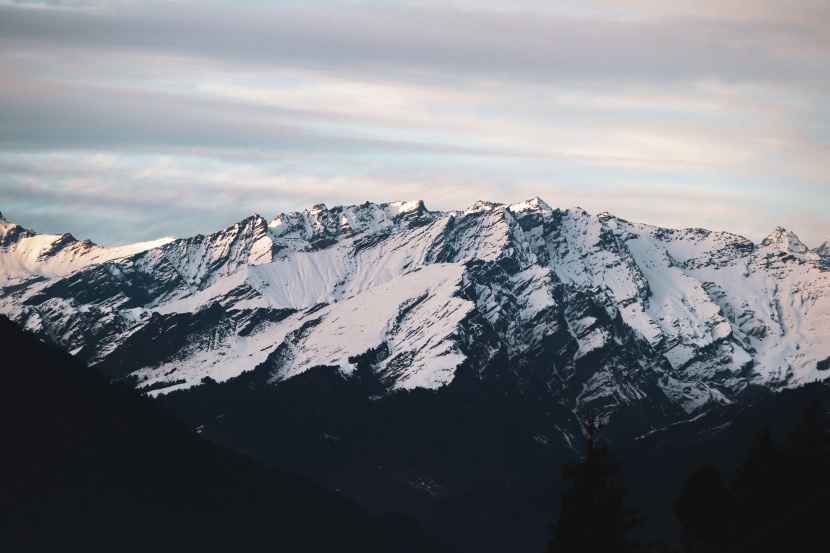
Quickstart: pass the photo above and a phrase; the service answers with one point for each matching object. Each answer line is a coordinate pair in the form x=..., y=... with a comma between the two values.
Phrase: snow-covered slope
x=25, y=254
x=637, y=320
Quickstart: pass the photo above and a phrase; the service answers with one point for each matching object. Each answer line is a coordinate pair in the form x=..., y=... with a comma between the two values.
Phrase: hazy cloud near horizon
x=125, y=121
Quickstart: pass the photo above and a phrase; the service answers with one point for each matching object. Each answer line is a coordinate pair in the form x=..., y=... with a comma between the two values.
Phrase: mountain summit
x=644, y=323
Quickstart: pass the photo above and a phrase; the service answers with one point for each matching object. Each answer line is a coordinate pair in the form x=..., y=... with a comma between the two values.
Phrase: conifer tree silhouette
x=762, y=484
x=759, y=472
x=594, y=517
x=705, y=510
x=809, y=455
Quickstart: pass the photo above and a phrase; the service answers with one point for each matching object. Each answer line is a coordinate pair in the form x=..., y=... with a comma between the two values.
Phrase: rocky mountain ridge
x=647, y=324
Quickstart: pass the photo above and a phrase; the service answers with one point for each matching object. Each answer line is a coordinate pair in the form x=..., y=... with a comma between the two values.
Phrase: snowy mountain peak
x=788, y=242
x=277, y=222
x=823, y=252
x=12, y=232
x=533, y=204
x=6, y=226
x=480, y=206
x=398, y=207
x=254, y=219
x=785, y=240
x=606, y=216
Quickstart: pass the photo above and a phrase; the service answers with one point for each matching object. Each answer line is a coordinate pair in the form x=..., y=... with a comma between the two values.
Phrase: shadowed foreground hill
x=93, y=466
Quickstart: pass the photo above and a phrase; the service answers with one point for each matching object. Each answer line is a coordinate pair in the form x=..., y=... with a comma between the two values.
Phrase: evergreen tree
x=809, y=456
x=759, y=477
x=705, y=509
x=593, y=517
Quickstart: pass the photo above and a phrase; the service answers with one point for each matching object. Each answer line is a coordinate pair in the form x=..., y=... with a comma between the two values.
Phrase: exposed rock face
x=823, y=252
x=646, y=323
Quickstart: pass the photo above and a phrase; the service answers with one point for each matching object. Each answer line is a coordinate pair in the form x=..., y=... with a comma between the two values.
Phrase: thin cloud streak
x=435, y=41
x=71, y=115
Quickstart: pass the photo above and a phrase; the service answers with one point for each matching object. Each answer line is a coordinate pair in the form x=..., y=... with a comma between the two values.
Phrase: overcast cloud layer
x=125, y=121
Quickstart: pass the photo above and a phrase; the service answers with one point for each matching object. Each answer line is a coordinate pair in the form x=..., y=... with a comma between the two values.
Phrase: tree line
x=778, y=500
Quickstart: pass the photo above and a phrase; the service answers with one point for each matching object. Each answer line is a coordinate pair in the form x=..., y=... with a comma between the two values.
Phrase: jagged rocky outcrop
x=823, y=252
x=646, y=323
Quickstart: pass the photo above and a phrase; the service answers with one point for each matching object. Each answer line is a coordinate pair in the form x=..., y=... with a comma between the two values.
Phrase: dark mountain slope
x=476, y=461
x=93, y=466
x=466, y=459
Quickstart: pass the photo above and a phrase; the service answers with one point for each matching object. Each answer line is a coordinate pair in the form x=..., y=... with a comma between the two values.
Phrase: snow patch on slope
x=26, y=254
x=415, y=315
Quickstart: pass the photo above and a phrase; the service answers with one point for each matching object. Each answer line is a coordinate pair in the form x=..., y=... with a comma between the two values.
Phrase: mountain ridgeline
x=646, y=324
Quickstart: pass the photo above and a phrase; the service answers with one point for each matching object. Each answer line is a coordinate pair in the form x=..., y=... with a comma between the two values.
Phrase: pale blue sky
x=125, y=121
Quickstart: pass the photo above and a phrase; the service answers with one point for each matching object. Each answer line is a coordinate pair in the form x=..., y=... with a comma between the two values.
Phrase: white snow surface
x=55, y=255
x=415, y=315
x=774, y=311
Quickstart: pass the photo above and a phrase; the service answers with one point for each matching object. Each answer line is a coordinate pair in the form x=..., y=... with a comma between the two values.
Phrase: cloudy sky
x=127, y=120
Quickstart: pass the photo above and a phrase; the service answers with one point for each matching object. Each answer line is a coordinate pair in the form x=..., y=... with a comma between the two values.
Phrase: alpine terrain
x=623, y=316
x=387, y=351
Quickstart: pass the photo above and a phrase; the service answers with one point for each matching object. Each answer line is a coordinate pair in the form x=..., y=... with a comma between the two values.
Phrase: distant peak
x=533, y=204
x=254, y=219
x=824, y=249
x=481, y=206
x=318, y=207
x=775, y=236
x=785, y=240
x=416, y=206
x=1, y=217
x=260, y=220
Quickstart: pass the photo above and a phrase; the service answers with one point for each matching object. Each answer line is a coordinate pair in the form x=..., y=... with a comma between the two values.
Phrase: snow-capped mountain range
x=587, y=309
